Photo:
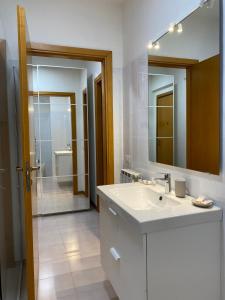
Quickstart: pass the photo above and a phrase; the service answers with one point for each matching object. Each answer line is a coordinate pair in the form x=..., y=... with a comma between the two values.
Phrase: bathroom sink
x=63, y=152
x=143, y=198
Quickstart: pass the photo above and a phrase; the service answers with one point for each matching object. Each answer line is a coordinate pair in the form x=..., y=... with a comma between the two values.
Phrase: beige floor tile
x=80, y=264
x=53, y=268
x=88, y=277
x=89, y=249
x=72, y=249
x=52, y=252
x=95, y=291
x=46, y=290
x=72, y=296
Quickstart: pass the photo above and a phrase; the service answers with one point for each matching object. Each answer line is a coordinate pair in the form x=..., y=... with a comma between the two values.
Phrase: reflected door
x=165, y=128
x=203, y=142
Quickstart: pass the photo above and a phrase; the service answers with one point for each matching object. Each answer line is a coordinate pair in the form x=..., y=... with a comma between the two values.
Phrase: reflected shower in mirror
x=184, y=92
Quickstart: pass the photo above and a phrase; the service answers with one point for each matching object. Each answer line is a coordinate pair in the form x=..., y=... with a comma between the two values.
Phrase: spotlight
x=150, y=45
x=157, y=45
x=179, y=28
x=171, y=27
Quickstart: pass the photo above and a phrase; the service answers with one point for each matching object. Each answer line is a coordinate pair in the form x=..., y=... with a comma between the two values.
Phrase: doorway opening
x=64, y=102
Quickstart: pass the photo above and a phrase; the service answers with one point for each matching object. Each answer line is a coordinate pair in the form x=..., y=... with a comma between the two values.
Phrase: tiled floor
x=55, y=198
x=70, y=267
x=61, y=202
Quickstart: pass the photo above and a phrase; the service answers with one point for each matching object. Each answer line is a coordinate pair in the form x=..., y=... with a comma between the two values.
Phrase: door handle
x=115, y=254
x=19, y=169
x=113, y=211
x=34, y=168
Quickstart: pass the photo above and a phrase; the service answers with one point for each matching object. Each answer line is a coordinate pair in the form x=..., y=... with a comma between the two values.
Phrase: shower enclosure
x=61, y=138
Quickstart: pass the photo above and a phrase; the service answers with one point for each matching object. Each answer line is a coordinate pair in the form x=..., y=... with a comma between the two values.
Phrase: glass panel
x=161, y=117
x=53, y=119
x=54, y=161
x=61, y=132
x=152, y=150
x=56, y=195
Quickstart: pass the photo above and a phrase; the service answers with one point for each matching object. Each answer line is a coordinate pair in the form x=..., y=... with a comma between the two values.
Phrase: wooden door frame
x=179, y=63
x=157, y=106
x=96, y=81
x=105, y=57
x=86, y=141
x=72, y=97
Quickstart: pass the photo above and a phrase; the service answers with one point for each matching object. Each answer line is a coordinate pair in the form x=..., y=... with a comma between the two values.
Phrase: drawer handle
x=112, y=211
x=115, y=254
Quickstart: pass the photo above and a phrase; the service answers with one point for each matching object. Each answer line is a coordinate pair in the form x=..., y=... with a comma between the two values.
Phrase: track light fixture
x=207, y=3
x=154, y=45
x=175, y=28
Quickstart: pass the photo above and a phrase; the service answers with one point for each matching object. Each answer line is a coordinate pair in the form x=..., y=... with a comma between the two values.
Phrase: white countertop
x=157, y=219
x=63, y=152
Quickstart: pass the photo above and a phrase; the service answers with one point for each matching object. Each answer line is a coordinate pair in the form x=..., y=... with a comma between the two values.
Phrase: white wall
x=2, y=35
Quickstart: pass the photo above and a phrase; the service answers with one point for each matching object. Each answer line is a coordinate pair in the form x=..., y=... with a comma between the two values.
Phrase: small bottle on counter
x=180, y=188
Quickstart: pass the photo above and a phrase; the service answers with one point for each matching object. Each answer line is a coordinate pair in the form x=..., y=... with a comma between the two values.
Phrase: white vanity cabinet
x=128, y=274
x=177, y=264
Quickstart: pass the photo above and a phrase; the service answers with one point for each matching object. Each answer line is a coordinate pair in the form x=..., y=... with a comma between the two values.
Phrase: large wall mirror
x=184, y=92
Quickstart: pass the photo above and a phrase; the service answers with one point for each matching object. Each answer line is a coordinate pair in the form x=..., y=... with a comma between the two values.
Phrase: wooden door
x=28, y=167
x=99, y=133
x=164, y=129
x=203, y=138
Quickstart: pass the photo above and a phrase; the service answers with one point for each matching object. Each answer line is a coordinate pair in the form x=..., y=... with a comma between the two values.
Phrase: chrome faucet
x=167, y=179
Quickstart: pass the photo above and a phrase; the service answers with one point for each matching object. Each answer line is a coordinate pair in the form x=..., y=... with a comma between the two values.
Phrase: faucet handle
x=166, y=175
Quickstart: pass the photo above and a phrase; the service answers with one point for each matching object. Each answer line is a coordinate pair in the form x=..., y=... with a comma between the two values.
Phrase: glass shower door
x=61, y=127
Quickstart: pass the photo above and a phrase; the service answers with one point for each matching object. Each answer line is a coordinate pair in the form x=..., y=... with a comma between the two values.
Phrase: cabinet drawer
x=109, y=243
x=132, y=250
x=123, y=253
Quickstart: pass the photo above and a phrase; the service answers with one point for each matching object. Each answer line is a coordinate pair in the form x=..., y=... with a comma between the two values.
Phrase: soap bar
x=201, y=202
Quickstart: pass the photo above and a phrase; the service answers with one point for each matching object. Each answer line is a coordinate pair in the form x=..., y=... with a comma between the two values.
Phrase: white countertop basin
x=143, y=198
x=63, y=152
x=150, y=209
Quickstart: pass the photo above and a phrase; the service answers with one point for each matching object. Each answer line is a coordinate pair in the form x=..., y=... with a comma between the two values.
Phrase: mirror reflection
x=184, y=93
